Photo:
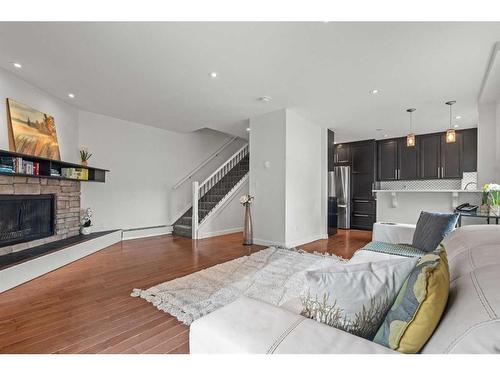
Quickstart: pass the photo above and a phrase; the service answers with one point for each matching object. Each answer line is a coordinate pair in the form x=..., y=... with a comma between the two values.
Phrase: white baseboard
x=295, y=243
x=258, y=241
x=26, y=271
x=220, y=232
x=305, y=240
x=131, y=234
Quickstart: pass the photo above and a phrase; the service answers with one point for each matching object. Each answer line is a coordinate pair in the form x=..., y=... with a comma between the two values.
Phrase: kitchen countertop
x=427, y=191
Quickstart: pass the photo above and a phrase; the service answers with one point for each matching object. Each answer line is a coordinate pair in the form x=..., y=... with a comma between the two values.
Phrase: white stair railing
x=199, y=190
x=204, y=162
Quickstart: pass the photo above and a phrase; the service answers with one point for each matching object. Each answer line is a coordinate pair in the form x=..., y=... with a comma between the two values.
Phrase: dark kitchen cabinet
x=469, y=150
x=407, y=160
x=450, y=157
x=387, y=163
x=429, y=156
x=342, y=154
x=363, y=156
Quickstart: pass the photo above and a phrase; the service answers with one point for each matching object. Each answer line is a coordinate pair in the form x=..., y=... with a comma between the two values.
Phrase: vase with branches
x=491, y=199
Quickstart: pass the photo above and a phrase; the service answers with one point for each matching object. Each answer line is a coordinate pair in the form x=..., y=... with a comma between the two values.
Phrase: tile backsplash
x=439, y=184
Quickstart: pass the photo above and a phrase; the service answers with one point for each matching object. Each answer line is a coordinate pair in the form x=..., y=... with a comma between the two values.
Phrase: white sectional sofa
x=470, y=324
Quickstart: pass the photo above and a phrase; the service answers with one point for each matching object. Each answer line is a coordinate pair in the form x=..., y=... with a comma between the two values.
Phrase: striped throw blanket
x=394, y=249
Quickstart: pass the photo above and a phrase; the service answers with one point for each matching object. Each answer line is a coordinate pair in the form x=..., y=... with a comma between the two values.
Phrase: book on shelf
x=75, y=173
x=7, y=164
x=54, y=172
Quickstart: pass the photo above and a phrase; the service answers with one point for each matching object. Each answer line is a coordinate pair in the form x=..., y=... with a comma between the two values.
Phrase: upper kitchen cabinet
x=450, y=153
x=387, y=160
x=469, y=150
x=407, y=160
x=342, y=154
x=396, y=161
x=429, y=156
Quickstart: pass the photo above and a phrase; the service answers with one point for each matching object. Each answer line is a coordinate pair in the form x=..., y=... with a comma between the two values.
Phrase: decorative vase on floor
x=246, y=200
x=248, y=232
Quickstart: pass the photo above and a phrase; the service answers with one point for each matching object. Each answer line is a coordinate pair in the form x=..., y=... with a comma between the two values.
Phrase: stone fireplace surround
x=67, y=200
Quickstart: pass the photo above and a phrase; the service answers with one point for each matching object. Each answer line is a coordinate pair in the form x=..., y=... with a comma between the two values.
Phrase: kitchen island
x=404, y=206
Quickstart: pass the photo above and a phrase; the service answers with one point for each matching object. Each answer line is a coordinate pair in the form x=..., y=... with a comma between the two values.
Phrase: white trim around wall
x=302, y=241
x=134, y=233
x=222, y=232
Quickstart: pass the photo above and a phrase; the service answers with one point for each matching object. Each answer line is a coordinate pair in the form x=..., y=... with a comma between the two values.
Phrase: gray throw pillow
x=431, y=229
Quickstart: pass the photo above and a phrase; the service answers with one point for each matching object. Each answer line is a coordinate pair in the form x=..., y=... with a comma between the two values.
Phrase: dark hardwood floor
x=85, y=307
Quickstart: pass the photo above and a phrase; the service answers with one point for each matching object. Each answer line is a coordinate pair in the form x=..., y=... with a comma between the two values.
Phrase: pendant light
x=410, y=138
x=451, y=136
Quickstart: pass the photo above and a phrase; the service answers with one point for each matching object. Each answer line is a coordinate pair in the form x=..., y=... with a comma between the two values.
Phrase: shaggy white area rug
x=273, y=275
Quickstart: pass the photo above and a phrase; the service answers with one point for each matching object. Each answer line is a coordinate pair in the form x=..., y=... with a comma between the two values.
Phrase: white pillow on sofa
x=355, y=298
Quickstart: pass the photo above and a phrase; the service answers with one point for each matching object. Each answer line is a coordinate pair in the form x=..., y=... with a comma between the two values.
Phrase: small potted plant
x=246, y=200
x=491, y=199
x=86, y=222
x=84, y=155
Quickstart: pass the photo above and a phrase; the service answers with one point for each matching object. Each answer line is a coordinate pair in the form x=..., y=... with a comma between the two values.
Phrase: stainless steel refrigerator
x=339, y=192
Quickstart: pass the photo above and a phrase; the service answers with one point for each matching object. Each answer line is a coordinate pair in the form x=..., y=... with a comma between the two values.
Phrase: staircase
x=213, y=191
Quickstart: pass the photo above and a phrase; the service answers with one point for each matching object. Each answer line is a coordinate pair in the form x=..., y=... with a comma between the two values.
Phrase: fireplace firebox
x=26, y=218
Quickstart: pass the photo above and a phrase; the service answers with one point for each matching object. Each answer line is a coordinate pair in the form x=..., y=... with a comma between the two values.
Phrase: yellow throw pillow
x=419, y=305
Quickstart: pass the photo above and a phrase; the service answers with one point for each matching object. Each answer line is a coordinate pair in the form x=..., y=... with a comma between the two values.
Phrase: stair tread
x=215, y=194
x=182, y=226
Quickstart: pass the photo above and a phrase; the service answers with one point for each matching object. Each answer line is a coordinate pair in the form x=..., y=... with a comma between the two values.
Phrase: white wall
x=267, y=177
x=145, y=163
x=65, y=115
x=304, y=179
x=287, y=178
x=229, y=219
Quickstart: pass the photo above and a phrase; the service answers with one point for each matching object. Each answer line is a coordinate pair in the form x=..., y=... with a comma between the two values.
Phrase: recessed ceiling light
x=458, y=117
x=379, y=129
x=265, y=99
x=17, y=65
x=248, y=129
x=374, y=91
x=385, y=135
x=455, y=126
x=71, y=95
x=214, y=74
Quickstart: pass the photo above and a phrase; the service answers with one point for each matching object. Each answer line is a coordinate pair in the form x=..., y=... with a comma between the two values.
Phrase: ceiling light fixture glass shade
x=451, y=136
x=410, y=138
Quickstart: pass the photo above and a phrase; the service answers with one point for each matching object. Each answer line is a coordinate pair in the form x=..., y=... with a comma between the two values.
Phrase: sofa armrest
x=250, y=326
x=393, y=233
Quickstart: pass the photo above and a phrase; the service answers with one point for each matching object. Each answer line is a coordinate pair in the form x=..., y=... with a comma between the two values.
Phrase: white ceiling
x=158, y=73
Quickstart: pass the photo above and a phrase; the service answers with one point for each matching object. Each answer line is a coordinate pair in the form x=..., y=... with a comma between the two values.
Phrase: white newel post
x=194, y=219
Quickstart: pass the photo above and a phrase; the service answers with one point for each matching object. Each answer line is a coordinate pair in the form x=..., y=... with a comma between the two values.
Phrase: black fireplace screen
x=25, y=218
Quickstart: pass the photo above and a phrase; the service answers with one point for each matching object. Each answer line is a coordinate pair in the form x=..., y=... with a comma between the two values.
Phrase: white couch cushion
x=471, y=321
x=393, y=233
x=251, y=326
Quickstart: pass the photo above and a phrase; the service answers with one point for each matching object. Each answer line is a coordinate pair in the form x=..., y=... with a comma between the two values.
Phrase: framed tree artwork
x=33, y=132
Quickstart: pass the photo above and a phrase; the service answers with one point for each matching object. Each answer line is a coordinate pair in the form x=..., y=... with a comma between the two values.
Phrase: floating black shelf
x=46, y=165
